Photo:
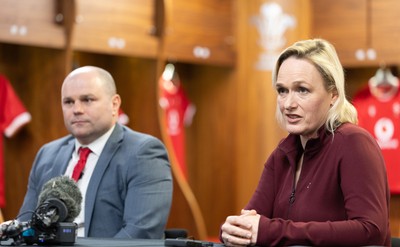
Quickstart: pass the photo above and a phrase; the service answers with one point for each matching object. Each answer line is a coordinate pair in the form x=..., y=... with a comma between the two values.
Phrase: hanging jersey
x=12, y=117
x=382, y=120
x=179, y=112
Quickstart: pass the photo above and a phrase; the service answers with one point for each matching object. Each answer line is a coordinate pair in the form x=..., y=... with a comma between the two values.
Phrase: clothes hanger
x=384, y=85
x=169, y=71
x=384, y=77
x=170, y=78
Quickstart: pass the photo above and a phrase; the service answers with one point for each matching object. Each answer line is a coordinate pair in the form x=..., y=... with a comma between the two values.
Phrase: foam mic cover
x=62, y=189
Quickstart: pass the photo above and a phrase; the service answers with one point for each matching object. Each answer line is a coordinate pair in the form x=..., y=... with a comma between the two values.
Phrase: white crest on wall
x=271, y=24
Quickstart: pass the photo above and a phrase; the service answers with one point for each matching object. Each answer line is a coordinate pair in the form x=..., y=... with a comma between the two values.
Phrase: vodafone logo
x=384, y=131
x=173, y=122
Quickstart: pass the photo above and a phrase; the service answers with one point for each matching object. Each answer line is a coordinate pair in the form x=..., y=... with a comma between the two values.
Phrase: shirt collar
x=96, y=146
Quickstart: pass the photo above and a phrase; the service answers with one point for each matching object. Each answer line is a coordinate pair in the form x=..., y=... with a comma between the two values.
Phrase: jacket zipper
x=292, y=198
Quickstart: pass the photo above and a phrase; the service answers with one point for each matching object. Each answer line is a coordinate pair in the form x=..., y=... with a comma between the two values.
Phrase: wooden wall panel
x=210, y=141
x=257, y=132
x=351, y=26
x=200, y=31
x=385, y=31
x=116, y=27
x=37, y=82
x=395, y=215
x=19, y=26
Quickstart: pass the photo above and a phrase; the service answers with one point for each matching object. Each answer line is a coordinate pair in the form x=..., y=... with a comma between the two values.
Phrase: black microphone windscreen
x=66, y=190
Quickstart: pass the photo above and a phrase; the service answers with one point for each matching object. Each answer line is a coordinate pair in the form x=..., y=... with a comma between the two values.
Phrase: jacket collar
x=292, y=142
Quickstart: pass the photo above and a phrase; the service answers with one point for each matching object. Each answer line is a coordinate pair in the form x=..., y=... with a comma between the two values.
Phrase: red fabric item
x=179, y=112
x=123, y=118
x=382, y=119
x=83, y=155
x=13, y=116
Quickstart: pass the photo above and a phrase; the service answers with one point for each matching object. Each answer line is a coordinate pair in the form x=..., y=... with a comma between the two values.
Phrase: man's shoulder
x=57, y=143
x=134, y=135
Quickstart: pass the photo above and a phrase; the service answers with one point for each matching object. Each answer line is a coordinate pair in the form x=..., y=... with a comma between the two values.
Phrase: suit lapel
x=63, y=157
x=104, y=161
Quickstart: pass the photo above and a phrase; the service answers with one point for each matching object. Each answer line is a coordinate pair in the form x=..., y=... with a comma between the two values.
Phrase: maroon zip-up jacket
x=341, y=198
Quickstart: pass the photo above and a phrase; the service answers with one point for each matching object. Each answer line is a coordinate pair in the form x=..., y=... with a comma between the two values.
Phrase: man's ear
x=116, y=101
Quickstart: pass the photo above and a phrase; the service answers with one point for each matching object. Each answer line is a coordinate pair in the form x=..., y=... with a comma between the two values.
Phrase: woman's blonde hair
x=323, y=55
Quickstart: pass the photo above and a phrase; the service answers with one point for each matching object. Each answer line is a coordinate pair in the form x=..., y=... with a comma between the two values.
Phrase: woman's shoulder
x=349, y=130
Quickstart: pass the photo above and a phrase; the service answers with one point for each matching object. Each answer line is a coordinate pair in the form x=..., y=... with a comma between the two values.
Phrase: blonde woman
x=325, y=184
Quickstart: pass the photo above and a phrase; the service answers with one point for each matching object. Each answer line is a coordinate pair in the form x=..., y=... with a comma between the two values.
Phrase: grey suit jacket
x=130, y=192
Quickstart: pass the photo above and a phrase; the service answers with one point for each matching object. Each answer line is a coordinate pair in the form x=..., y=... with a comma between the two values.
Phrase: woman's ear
x=334, y=97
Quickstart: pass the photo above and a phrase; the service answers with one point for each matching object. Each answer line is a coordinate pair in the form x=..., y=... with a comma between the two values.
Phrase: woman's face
x=302, y=98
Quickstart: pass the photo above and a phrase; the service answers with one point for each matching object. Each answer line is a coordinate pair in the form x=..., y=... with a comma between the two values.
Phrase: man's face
x=89, y=110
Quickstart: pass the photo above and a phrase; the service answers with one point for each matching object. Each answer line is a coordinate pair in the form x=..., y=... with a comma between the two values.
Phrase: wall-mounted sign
x=271, y=24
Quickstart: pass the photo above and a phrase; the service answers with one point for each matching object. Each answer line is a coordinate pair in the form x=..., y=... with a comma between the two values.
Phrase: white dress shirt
x=96, y=147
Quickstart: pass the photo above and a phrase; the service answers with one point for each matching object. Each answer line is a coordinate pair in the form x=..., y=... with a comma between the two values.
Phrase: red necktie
x=83, y=154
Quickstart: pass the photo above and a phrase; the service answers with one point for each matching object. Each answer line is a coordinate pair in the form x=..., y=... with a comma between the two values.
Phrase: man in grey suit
x=126, y=184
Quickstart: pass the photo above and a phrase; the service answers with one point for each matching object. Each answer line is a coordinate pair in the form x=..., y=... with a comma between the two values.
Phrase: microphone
x=59, y=201
x=65, y=189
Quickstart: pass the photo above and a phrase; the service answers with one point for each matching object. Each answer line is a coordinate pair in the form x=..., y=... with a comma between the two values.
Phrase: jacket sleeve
x=264, y=196
x=33, y=189
x=43, y=169
x=149, y=193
